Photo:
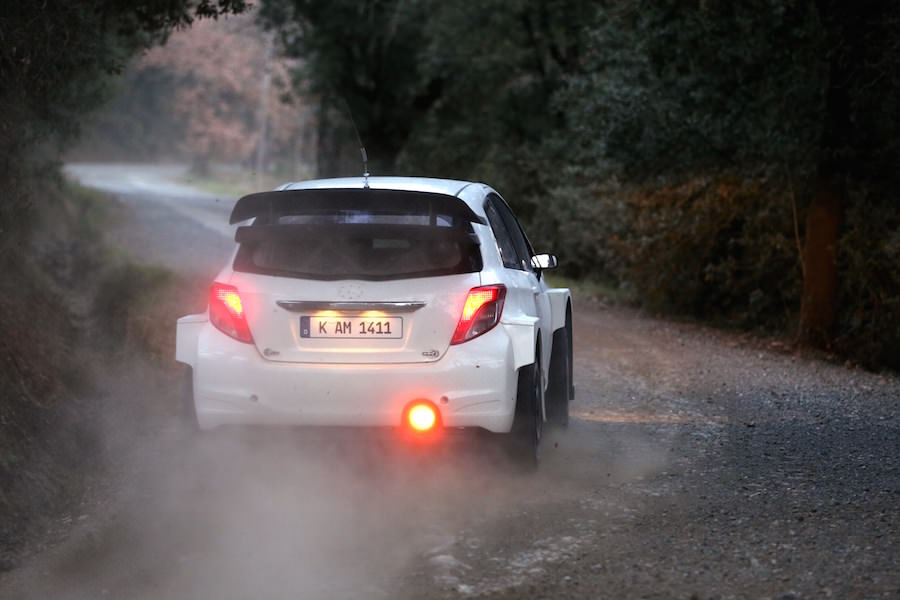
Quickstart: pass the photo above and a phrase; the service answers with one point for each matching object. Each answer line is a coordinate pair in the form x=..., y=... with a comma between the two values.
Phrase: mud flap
x=186, y=333
x=559, y=299
x=523, y=333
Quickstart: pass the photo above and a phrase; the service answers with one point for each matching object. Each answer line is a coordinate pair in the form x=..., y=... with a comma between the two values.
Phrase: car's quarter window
x=516, y=233
x=505, y=243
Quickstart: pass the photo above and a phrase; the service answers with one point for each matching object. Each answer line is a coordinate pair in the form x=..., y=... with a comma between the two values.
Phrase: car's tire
x=188, y=408
x=523, y=442
x=559, y=380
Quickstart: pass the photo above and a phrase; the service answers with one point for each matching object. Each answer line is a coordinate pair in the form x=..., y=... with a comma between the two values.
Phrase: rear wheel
x=524, y=439
x=559, y=383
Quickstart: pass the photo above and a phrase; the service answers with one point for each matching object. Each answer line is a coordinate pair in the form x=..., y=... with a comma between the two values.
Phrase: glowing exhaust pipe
x=421, y=416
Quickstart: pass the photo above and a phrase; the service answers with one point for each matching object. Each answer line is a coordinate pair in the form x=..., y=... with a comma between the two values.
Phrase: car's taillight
x=226, y=312
x=480, y=313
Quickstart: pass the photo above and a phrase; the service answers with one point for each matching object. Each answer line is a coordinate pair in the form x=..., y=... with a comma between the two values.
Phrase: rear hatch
x=356, y=276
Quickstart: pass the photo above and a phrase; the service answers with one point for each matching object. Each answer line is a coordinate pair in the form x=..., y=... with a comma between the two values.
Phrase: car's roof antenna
x=362, y=148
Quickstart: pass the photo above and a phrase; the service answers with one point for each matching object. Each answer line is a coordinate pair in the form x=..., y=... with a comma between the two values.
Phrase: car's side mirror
x=543, y=261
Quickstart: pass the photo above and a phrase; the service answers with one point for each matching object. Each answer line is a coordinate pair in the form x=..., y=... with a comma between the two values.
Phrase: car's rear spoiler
x=268, y=205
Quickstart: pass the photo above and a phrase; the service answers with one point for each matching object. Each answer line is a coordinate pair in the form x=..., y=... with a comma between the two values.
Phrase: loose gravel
x=709, y=465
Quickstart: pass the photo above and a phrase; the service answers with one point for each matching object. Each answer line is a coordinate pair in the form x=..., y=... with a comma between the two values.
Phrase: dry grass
x=138, y=305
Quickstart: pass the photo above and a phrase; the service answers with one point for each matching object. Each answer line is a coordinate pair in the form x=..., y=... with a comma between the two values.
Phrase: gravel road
x=698, y=464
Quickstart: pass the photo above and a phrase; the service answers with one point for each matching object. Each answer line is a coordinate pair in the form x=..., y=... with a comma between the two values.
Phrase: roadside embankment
x=78, y=315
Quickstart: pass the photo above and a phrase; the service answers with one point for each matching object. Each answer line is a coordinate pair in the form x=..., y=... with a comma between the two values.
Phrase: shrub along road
x=699, y=463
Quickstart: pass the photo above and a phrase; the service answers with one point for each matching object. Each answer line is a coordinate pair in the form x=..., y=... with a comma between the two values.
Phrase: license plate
x=351, y=327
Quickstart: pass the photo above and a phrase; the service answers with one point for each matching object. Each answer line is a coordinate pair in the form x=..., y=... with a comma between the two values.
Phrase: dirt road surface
x=698, y=464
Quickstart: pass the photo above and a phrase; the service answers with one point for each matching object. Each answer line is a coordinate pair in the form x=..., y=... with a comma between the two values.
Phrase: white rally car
x=399, y=302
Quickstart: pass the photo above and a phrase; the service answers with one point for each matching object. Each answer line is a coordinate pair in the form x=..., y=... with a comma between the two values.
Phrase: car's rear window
x=358, y=243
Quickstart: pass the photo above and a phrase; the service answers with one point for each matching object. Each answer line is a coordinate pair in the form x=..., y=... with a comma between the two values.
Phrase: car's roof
x=450, y=187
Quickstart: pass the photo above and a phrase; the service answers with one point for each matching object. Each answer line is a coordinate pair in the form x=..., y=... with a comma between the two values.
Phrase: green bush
x=715, y=248
x=868, y=327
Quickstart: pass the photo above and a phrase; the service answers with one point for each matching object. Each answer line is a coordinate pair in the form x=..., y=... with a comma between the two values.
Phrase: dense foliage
x=733, y=161
x=365, y=59
x=56, y=61
x=56, y=58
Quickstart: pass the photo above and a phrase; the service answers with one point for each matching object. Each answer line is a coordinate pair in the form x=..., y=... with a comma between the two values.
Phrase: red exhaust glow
x=481, y=312
x=421, y=417
x=226, y=312
x=421, y=420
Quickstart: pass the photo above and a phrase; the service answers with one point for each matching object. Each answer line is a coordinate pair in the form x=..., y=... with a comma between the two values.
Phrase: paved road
x=163, y=222
x=157, y=185
x=699, y=464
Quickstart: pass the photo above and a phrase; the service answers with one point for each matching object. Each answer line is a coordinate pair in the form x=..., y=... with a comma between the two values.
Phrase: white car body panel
x=426, y=332
x=360, y=383
x=472, y=385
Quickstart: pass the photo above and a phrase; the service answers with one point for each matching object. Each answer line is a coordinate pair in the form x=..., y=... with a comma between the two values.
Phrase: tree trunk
x=818, y=307
x=327, y=151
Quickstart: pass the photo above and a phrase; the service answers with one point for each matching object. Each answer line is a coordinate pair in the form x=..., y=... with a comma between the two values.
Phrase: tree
x=362, y=57
x=216, y=71
x=863, y=58
x=503, y=63
x=793, y=95
x=56, y=60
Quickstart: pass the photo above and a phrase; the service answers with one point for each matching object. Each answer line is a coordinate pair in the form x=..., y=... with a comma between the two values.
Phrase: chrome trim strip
x=313, y=305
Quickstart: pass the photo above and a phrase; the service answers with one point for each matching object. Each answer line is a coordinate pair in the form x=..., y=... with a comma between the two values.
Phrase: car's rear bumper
x=234, y=384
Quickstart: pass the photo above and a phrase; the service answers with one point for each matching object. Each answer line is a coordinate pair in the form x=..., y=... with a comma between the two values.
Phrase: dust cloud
x=299, y=513
x=273, y=513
